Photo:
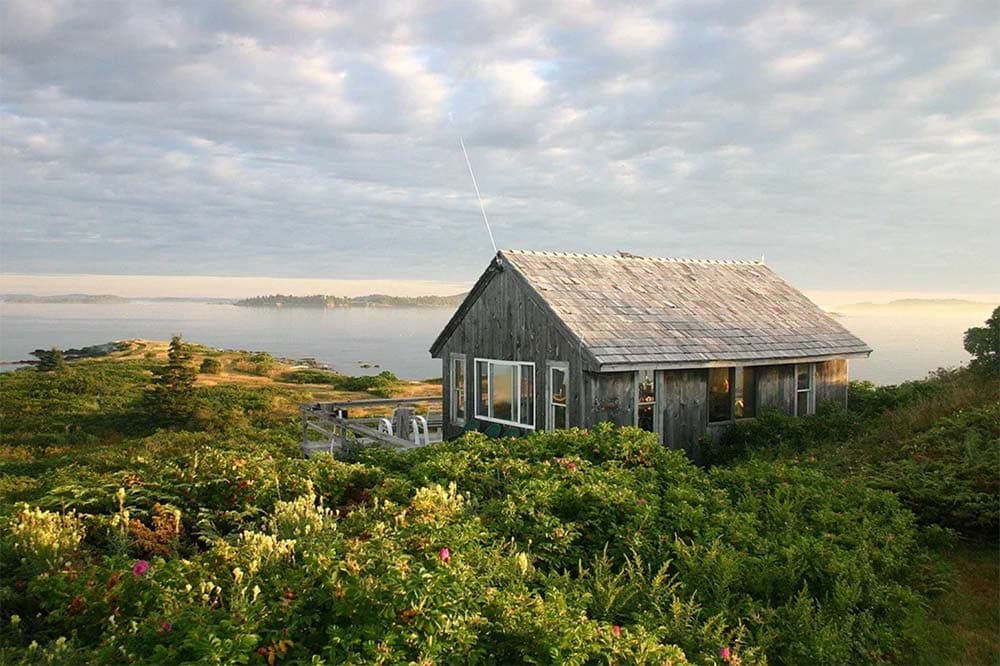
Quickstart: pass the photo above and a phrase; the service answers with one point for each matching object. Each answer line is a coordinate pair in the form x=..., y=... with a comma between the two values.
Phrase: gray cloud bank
x=853, y=144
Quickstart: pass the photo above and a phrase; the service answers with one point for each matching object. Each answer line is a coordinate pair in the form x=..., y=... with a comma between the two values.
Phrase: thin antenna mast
x=478, y=196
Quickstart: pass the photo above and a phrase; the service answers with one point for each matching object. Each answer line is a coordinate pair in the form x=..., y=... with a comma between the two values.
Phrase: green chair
x=511, y=431
x=493, y=430
x=471, y=425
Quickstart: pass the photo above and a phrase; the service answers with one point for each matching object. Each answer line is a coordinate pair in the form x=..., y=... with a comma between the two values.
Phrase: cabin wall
x=609, y=397
x=507, y=323
x=776, y=388
x=831, y=382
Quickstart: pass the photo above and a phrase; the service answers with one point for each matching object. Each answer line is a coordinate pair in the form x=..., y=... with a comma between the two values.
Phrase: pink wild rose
x=616, y=630
x=166, y=627
x=444, y=554
x=724, y=654
x=140, y=568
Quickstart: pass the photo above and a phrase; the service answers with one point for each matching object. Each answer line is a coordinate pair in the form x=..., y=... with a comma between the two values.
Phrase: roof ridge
x=680, y=260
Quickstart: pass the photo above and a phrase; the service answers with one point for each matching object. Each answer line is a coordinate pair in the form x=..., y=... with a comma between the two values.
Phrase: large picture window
x=805, y=397
x=506, y=392
x=732, y=394
x=558, y=390
x=458, y=389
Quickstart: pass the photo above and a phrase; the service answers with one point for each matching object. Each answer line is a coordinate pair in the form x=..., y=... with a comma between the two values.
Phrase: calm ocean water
x=908, y=343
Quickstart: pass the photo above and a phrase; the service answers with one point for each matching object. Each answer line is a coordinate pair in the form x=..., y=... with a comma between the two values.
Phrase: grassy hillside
x=851, y=537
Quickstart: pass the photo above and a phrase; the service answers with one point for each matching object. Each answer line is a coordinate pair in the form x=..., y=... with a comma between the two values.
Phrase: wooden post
x=401, y=422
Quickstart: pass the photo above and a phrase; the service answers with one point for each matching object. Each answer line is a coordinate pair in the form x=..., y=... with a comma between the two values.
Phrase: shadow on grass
x=963, y=624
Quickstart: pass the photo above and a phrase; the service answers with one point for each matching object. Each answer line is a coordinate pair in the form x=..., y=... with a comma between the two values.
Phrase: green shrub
x=257, y=363
x=571, y=546
x=774, y=434
x=210, y=366
x=381, y=384
x=948, y=474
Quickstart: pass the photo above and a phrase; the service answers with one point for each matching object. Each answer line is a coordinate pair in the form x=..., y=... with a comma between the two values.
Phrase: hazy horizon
x=235, y=287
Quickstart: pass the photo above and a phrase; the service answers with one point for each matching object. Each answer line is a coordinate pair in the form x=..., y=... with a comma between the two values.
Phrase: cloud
x=853, y=144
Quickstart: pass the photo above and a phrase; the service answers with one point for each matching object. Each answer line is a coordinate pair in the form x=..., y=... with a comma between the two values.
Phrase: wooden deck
x=338, y=432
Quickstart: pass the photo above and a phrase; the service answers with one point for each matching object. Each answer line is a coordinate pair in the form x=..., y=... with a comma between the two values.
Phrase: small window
x=646, y=400
x=720, y=395
x=805, y=402
x=458, y=389
x=557, y=392
x=745, y=393
x=506, y=392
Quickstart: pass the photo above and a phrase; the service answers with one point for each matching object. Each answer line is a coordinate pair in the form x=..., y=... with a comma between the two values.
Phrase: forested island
x=370, y=301
x=919, y=303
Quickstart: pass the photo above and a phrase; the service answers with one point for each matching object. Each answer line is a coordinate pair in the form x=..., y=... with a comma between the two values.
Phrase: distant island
x=370, y=301
x=89, y=299
x=918, y=303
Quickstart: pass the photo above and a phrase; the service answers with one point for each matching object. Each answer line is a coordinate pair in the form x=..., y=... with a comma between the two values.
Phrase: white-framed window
x=458, y=384
x=645, y=400
x=805, y=395
x=505, y=392
x=557, y=394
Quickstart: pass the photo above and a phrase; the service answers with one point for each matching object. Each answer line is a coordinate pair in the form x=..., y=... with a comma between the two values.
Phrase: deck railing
x=332, y=420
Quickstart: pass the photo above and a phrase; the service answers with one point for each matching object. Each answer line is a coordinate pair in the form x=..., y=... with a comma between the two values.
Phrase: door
x=684, y=410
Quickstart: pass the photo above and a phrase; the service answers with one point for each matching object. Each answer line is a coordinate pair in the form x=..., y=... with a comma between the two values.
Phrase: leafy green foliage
x=948, y=475
x=983, y=342
x=257, y=363
x=935, y=443
x=210, y=366
x=381, y=384
x=120, y=544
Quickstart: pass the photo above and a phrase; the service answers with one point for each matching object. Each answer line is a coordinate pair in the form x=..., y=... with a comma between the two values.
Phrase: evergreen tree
x=983, y=342
x=170, y=399
x=50, y=359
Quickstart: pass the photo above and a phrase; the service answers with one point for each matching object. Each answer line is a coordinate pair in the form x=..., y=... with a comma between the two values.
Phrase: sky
x=855, y=145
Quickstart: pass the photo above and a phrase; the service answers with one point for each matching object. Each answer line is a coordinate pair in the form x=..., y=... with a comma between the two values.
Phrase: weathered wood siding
x=776, y=388
x=683, y=397
x=831, y=382
x=508, y=323
x=610, y=397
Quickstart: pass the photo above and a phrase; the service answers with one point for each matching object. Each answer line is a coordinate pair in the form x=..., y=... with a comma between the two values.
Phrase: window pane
x=527, y=396
x=558, y=386
x=746, y=393
x=503, y=391
x=458, y=381
x=802, y=372
x=558, y=417
x=719, y=395
x=484, y=389
x=647, y=402
x=802, y=403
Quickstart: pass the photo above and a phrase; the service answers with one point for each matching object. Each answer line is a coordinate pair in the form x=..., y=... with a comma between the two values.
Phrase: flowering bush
x=44, y=539
x=575, y=546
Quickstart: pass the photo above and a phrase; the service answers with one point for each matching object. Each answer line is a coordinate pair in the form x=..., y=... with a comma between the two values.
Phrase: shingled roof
x=630, y=311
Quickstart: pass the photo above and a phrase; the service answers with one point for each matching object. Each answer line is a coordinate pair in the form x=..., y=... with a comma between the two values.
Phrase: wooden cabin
x=679, y=347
